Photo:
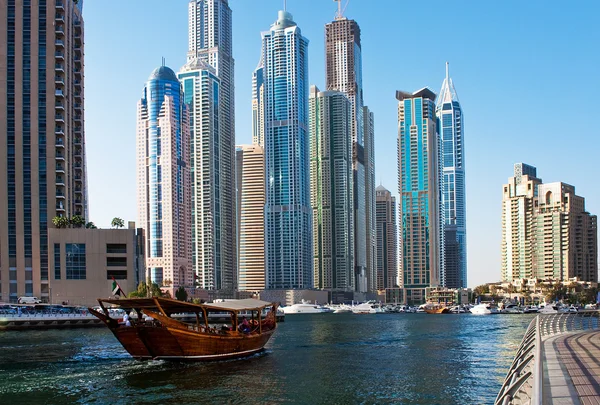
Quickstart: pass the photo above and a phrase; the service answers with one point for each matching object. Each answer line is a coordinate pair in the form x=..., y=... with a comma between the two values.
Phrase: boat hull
x=444, y=310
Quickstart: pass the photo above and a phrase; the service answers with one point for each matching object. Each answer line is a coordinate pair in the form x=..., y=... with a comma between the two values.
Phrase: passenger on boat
x=245, y=326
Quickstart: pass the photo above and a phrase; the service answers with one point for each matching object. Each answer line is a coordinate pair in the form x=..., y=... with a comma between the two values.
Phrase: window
x=116, y=262
x=75, y=255
x=116, y=274
x=116, y=248
x=57, y=261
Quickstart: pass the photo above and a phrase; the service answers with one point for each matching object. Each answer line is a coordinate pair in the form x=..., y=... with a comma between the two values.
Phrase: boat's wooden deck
x=572, y=369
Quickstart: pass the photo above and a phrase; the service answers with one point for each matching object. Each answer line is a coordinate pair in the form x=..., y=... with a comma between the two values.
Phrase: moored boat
x=154, y=334
x=436, y=309
x=484, y=309
x=306, y=308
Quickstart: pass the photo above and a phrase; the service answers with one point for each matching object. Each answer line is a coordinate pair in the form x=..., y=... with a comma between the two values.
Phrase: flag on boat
x=116, y=289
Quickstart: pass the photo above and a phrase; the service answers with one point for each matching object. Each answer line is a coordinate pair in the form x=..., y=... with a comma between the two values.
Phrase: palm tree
x=60, y=222
x=117, y=223
x=77, y=221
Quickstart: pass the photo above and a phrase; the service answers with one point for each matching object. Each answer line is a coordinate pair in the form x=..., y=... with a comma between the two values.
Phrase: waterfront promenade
x=557, y=363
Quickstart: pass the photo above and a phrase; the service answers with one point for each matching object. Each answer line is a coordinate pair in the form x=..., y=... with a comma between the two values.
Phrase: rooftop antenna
x=163, y=61
x=284, y=5
x=447, y=75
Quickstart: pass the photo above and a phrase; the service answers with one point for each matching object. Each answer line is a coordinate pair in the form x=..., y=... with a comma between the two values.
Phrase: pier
x=558, y=362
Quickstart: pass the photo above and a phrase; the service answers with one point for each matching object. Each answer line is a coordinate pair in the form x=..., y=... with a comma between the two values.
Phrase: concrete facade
x=387, y=240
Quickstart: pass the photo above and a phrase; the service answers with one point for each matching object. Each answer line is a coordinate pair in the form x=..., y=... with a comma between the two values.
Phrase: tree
x=77, y=221
x=91, y=225
x=144, y=291
x=117, y=223
x=60, y=222
x=481, y=290
x=181, y=294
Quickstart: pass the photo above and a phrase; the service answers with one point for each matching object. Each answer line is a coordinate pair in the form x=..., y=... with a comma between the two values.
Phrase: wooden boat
x=437, y=309
x=156, y=334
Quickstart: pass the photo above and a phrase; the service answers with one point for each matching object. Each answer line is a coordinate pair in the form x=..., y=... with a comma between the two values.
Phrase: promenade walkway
x=571, y=369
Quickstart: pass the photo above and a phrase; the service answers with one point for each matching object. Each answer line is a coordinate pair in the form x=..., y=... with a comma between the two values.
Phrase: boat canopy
x=172, y=306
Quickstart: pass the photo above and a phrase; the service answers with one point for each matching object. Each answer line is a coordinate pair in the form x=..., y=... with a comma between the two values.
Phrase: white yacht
x=342, y=309
x=305, y=308
x=484, y=309
x=363, y=309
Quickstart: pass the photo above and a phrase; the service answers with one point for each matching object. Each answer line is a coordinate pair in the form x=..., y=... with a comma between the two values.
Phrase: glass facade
x=75, y=261
x=57, y=261
x=288, y=230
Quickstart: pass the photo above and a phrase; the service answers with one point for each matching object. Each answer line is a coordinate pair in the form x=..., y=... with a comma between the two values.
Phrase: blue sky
x=525, y=72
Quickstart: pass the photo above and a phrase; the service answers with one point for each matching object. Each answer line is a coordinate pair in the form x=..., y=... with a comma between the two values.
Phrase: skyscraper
x=450, y=126
x=288, y=235
x=370, y=199
x=258, y=107
x=164, y=192
x=331, y=190
x=202, y=89
x=343, y=63
x=421, y=241
x=546, y=231
x=210, y=40
x=387, y=239
x=42, y=154
x=251, y=207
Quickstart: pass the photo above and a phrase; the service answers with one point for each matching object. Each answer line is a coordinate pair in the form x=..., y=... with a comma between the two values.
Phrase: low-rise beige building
x=83, y=263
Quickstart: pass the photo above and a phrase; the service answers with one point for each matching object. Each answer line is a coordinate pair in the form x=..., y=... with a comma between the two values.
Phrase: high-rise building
x=387, y=239
x=42, y=153
x=546, y=231
x=163, y=177
x=202, y=89
x=517, y=223
x=258, y=112
x=288, y=235
x=343, y=63
x=210, y=40
x=371, y=232
x=421, y=241
x=250, y=163
x=331, y=190
x=450, y=127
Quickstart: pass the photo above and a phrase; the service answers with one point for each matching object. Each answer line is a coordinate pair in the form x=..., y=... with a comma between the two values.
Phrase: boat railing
x=524, y=381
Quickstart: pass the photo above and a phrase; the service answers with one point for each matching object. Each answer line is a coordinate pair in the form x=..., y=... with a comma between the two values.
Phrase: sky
x=526, y=74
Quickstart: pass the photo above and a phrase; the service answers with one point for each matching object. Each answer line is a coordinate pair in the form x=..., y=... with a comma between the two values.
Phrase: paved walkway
x=572, y=369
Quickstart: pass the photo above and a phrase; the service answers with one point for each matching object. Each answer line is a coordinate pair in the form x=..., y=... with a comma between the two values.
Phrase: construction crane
x=340, y=11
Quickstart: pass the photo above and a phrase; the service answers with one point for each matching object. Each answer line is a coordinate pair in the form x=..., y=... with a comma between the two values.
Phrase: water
x=311, y=359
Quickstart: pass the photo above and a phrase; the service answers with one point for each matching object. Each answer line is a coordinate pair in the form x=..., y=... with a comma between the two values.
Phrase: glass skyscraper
x=450, y=126
x=202, y=90
x=210, y=40
x=164, y=192
x=288, y=225
x=421, y=217
x=42, y=153
x=331, y=190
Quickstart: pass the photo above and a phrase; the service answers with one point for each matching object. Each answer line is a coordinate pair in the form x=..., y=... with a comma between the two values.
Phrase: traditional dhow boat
x=436, y=309
x=155, y=333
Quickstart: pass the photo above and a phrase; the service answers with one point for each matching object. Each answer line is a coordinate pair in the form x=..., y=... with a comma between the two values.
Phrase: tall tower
x=421, y=241
x=331, y=190
x=517, y=222
x=450, y=126
x=202, y=89
x=288, y=235
x=343, y=62
x=251, y=206
x=210, y=40
x=258, y=106
x=42, y=153
x=387, y=239
x=164, y=192
x=370, y=195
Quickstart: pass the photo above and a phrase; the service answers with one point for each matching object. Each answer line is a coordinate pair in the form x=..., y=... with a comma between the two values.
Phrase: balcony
x=59, y=43
x=77, y=152
x=60, y=168
x=59, y=118
x=79, y=190
x=77, y=72
x=78, y=201
x=78, y=117
x=59, y=143
x=59, y=131
x=60, y=194
x=78, y=106
x=78, y=94
x=77, y=177
x=59, y=156
x=59, y=106
x=60, y=206
x=60, y=17
x=59, y=55
x=59, y=80
x=60, y=181
x=59, y=93
x=59, y=67
x=77, y=165
x=60, y=5
x=60, y=30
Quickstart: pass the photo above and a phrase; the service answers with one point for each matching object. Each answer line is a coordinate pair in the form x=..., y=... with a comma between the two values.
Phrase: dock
x=557, y=363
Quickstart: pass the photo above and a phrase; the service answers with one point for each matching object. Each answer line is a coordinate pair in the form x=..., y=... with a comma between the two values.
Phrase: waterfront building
x=288, y=235
x=210, y=40
x=250, y=164
x=42, y=153
x=331, y=190
x=343, y=61
x=370, y=190
x=84, y=263
x=202, y=89
x=546, y=231
x=421, y=240
x=258, y=100
x=387, y=240
x=517, y=223
x=163, y=179
x=450, y=126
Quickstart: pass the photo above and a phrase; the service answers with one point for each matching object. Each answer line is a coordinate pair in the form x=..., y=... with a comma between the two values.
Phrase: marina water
x=311, y=359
